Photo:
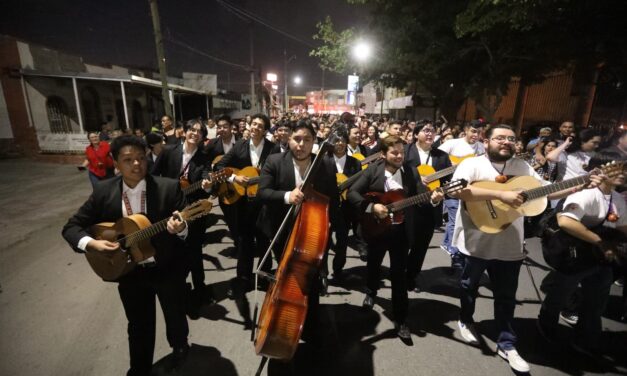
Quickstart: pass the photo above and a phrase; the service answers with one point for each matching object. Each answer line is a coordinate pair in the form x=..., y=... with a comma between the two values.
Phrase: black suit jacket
x=439, y=159
x=170, y=162
x=239, y=155
x=373, y=180
x=351, y=167
x=277, y=177
x=163, y=196
x=214, y=148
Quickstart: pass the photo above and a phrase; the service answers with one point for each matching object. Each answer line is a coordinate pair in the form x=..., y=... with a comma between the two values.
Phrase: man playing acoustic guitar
x=500, y=253
x=162, y=275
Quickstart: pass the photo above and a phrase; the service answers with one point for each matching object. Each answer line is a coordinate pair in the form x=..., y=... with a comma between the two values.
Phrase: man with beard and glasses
x=499, y=254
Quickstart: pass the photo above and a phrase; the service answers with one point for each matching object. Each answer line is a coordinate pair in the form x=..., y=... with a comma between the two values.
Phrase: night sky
x=120, y=32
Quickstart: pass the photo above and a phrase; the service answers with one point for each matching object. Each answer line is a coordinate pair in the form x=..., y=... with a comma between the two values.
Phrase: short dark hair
x=224, y=117
x=421, y=124
x=153, y=138
x=126, y=140
x=490, y=130
x=190, y=124
x=389, y=142
x=266, y=120
x=304, y=124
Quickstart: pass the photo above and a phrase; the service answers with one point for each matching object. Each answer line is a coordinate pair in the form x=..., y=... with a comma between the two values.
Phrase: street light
x=362, y=51
x=297, y=80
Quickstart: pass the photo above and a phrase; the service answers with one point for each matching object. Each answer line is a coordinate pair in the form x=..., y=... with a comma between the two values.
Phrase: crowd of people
x=282, y=151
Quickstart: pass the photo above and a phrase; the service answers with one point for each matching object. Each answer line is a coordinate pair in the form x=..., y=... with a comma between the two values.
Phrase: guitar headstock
x=221, y=176
x=611, y=169
x=454, y=186
x=196, y=210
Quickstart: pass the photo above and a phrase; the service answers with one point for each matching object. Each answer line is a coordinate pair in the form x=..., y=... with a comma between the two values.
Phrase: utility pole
x=253, y=100
x=287, y=105
x=156, y=25
x=324, y=106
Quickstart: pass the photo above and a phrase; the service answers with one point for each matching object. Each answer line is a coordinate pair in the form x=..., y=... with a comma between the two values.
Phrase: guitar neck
x=146, y=233
x=418, y=199
x=546, y=190
x=440, y=174
x=370, y=158
x=350, y=181
x=253, y=180
x=192, y=188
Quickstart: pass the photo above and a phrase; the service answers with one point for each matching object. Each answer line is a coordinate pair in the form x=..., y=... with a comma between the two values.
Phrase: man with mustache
x=499, y=254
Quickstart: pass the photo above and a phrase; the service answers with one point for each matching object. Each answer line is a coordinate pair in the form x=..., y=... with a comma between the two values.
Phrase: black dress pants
x=423, y=235
x=394, y=241
x=138, y=291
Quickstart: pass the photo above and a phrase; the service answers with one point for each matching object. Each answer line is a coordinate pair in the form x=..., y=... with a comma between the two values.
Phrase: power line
x=241, y=13
x=195, y=50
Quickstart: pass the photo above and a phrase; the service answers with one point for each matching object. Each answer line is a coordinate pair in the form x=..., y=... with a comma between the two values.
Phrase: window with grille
x=58, y=116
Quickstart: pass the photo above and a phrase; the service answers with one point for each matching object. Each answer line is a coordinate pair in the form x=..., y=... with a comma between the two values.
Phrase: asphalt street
x=58, y=318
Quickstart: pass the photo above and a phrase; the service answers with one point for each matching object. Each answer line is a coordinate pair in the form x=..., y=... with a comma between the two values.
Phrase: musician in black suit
x=218, y=147
x=245, y=153
x=282, y=136
x=419, y=153
x=342, y=163
x=188, y=161
x=164, y=274
x=280, y=185
x=385, y=177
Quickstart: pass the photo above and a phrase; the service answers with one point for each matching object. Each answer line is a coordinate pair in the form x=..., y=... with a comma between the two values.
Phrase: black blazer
x=277, y=177
x=239, y=155
x=351, y=167
x=163, y=196
x=373, y=180
x=170, y=162
x=214, y=148
x=439, y=159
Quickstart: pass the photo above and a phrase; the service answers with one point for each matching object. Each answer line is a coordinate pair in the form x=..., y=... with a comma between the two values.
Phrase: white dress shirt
x=340, y=163
x=255, y=152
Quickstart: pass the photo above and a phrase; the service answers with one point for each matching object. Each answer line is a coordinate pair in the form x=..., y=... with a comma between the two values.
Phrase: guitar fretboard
x=370, y=158
x=440, y=174
x=146, y=233
x=413, y=200
x=535, y=193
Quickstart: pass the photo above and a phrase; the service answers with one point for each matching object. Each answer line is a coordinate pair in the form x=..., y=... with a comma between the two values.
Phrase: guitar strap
x=127, y=204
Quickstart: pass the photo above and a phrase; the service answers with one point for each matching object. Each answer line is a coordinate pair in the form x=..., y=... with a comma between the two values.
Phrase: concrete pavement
x=58, y=318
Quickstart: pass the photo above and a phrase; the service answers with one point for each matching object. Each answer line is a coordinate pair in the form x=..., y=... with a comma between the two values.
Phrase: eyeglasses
x=194, y=130
x=501, y=139
x=427, y=130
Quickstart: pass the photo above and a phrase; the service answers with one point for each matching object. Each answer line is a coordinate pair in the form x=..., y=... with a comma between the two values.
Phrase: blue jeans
x=504, y=280
x=451, y=206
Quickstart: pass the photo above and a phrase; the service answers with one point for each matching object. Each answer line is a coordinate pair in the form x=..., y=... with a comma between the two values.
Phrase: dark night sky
x=120, y=32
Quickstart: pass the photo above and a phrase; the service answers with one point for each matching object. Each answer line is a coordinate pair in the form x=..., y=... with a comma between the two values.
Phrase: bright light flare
x=362, y=51
x=297, y=80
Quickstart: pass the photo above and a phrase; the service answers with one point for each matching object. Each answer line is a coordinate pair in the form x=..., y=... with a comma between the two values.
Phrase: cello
x=284, y=309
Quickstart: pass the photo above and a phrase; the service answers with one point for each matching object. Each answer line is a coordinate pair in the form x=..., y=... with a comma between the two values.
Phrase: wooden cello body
x=284, y=309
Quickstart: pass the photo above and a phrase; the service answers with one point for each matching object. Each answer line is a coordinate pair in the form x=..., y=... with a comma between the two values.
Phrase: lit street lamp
x=297, y=80
x=362, y=51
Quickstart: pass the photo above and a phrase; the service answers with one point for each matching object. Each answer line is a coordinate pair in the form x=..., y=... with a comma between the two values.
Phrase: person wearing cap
x=544, y=132
x=466, y=146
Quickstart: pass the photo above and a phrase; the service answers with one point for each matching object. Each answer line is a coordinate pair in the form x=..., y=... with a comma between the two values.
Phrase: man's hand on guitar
x=596, y=178
x=296, y=196
x=175, y=224
x=512, y=198
x=102, y=245
x=380, y=211
x=206, y=184
x=241, y=180
x=437, y=196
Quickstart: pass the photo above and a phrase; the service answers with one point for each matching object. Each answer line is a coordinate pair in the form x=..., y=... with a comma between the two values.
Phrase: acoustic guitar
x=133, y=233
x=230, y=193
x=494, y=216
x=214, y=178
x=395, y=202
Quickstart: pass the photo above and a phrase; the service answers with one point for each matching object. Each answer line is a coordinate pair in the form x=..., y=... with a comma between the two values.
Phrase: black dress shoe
x=411, y=284
x=368, y=302
x=179, y=355
x=324, y=286
x=402, y=330
x=363, y=255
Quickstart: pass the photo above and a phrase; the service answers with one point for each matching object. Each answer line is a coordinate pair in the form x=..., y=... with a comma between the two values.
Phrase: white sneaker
x=468, y=333
x=514, y=359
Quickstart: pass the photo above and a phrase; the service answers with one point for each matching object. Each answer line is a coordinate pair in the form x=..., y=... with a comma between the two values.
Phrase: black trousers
x=424, y=233
x=230, y=218
x=250, y=240
x=394, y=241
x=193, y=252
x=137, y=292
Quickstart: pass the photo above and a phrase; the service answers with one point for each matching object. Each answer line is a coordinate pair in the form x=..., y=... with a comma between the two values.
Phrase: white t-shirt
x=590, y=207
x=458, y=147
x=506, y=245
x=576, y=163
